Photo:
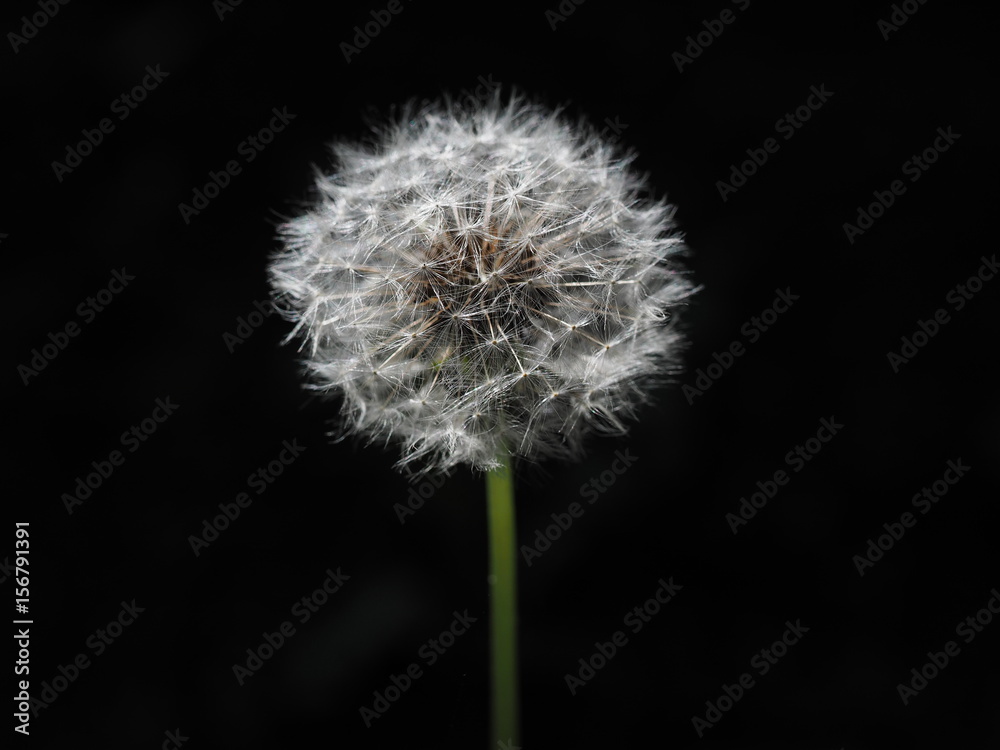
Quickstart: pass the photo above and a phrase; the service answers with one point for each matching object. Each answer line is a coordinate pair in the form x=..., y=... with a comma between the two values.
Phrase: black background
x=664, y=517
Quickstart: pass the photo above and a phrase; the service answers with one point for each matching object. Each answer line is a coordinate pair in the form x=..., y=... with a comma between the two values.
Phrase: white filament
x=483, y=280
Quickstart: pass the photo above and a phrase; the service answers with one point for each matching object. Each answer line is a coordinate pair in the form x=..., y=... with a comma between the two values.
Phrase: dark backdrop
x=216, y=79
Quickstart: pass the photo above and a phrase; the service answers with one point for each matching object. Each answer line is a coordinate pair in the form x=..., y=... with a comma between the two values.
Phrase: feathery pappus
x=483, y=279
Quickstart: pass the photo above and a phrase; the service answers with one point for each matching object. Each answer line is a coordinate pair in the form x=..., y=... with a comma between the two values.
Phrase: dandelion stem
x=503, y=604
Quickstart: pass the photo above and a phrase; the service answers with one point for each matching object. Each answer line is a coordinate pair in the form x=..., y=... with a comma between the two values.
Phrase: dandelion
x=483, y=283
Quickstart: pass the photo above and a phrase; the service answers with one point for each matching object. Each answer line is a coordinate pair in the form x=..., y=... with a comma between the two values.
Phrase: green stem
x=503, y=607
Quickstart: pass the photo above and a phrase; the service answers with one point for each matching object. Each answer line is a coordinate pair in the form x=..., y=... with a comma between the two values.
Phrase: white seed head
x=483, y=280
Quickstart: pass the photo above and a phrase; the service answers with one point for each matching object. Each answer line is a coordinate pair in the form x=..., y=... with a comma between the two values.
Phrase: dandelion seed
x=482, y=280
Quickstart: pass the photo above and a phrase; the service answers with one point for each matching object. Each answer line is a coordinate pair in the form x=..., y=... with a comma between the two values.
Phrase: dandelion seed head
x=481, y=280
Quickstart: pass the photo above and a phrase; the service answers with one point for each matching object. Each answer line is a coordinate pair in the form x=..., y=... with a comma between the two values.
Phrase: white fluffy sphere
x=483, y=281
